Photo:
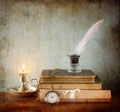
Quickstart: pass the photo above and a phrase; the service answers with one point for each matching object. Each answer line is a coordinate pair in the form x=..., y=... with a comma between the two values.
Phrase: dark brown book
x=58, y=73
x=68, y=80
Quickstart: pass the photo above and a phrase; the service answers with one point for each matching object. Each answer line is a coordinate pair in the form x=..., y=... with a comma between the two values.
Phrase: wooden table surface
x=10, y=104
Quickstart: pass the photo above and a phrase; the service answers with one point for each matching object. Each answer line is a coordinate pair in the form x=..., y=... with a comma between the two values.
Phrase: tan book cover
x=79, y=96
x=65, y=85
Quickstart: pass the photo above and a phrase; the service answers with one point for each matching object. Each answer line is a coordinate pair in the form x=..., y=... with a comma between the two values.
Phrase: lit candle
x=23, y=70
x=23, y=78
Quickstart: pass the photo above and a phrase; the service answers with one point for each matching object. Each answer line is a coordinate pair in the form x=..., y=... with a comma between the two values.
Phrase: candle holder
x=23, y=80
x=74, y=63
x=26, y=89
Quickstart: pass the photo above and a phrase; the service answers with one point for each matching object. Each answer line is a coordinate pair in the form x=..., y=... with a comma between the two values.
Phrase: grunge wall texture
x=41, y=33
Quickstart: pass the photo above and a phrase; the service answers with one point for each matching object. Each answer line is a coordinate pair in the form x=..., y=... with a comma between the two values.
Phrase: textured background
x=41, y=33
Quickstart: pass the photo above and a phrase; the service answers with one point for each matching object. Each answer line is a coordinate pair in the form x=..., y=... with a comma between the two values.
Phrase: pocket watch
x=52, y=97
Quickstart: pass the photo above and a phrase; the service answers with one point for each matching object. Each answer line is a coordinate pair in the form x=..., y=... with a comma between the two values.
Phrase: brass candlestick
x=26, y=89
x=23, y=80
x=74, y=63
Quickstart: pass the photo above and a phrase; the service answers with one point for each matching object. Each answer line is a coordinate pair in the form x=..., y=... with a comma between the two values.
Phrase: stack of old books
x=86, y=85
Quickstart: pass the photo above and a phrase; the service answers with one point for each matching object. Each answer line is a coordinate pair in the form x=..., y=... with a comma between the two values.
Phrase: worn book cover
x=79, y=95
x=97, y=84
x=58, y=73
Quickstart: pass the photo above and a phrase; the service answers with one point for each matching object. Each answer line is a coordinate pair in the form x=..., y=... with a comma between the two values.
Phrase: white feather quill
x=92, y=30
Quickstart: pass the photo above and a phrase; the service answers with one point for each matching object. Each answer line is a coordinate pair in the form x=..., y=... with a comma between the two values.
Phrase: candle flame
x=23, y=70
x=23, y=67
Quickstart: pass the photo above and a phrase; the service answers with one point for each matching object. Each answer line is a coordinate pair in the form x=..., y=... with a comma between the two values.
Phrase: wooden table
x=10, y=104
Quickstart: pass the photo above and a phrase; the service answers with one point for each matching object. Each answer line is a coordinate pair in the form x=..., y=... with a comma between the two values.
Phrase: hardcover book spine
x=70, y=86
x=68, y=80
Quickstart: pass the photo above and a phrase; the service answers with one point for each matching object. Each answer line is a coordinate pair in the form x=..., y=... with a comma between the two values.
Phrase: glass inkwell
x=74, y=63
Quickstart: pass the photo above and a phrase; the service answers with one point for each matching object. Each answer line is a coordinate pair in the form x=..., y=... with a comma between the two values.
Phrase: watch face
x=52, y=97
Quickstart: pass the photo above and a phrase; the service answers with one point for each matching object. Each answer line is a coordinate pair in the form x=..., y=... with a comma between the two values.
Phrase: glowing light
x=23, y=67
x=23, y=70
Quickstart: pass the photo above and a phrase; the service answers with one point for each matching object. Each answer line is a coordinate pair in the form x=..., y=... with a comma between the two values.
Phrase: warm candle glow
x=23, y=67
x=23, y=70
